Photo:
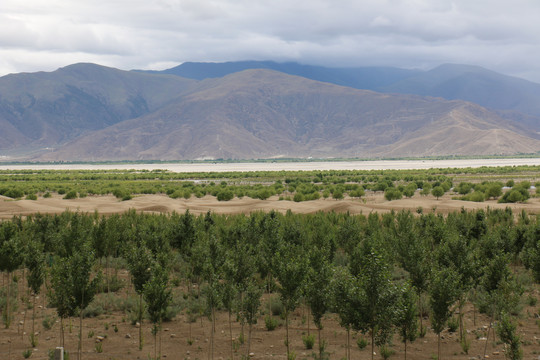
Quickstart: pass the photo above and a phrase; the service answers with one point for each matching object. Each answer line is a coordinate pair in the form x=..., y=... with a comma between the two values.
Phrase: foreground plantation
x=271, y=285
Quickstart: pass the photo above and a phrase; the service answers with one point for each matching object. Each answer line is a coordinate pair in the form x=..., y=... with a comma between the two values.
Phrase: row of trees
x=370, y=271
x=297, y=186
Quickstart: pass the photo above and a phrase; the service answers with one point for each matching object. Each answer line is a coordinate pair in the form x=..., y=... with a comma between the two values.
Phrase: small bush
x=276, y=307
x=72, y=194
x=453, y=324
x=309, y=341
x=27, y=353
x=48, y=322
x=31, y=197
x=47, y=195
x=386, y=352
x=362, y=343
x=270, y=323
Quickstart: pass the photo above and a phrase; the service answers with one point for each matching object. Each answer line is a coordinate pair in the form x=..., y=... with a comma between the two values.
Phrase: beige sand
x=164, y=204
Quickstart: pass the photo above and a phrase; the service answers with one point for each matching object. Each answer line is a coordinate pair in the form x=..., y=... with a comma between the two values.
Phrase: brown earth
x=163, y=204
x=265, y=344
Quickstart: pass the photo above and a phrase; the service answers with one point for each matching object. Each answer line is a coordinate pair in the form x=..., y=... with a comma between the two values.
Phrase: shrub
x=309, y=341
x=362, y=343
x=270, y=323
x=47, y=195
x=72, y=194
x=453, y=324
x=225, y=195
x=392, y=194
x=31, y=197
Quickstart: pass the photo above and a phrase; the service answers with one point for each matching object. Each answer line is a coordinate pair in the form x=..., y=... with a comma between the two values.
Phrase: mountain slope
x=470, y=83
x=264, y=114
x=46, y=109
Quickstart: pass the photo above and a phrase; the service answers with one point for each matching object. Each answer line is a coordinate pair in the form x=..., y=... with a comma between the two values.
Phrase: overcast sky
x=43, y=35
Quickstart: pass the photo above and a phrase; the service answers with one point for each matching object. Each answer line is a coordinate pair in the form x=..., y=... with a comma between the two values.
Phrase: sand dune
x=164, y=204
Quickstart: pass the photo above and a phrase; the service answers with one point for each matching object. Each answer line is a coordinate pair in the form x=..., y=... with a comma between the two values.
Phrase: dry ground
x=162, y=203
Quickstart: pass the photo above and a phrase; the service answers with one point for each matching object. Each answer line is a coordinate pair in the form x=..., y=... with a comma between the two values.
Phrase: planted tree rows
x=390, y=278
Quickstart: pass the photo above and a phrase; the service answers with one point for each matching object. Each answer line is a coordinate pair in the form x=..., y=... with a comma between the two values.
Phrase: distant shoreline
x=224, y=166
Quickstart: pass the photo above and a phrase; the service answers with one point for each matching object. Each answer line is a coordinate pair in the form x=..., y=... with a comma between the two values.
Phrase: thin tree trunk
x=287, y=331
x=33, y=321
x=230, y=336
x=308, y=323
x=348, y=343
x=249, y=342
x=439, y=347
x=372, y=343
x=487, y=336
x=405, y=349
x=140, y=323
x=62, y=332
x=320, y=347
x=160, y=335
x=421, y=315
x=155, y=342
x=79, y=350
x=8, y=322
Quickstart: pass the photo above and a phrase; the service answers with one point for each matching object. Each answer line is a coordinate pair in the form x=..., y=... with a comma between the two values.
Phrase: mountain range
x=249, y=110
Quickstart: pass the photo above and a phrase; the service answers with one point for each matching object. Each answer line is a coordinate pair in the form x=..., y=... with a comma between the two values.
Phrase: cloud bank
x=40, y=35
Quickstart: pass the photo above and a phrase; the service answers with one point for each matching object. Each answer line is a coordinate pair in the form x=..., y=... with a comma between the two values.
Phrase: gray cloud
x=37, y=35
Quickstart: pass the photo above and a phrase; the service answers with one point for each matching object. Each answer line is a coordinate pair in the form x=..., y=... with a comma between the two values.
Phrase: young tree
x=139, y=261
x=343, y=300
x=158, y=296
x=442, y=294
x=406, y=315
x=250, y=306
x=73, y=286
x=437, y=191
x=35, y=260
x=317, y=288
x=506, y=330
x=11, y=257
x=291, y=271
x=377, y=296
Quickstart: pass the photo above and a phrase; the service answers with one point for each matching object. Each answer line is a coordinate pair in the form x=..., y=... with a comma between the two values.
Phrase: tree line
x=371, y=271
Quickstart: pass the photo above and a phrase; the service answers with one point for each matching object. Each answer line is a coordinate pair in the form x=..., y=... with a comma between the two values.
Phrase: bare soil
x=164, y=204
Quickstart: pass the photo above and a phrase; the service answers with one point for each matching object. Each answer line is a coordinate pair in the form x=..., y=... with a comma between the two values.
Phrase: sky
x=43, y=35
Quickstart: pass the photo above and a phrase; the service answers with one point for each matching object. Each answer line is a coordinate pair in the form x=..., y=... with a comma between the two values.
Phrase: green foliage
x=362, y=342
x=157, y=294
x=506, y=330
x=72, y=194
x=270, y=323
x=443, y=293
x=392, y=193
x=309, y=341
x=437, y=191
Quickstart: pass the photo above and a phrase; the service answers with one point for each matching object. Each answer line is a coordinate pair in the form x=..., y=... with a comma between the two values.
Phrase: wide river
x=288, y=166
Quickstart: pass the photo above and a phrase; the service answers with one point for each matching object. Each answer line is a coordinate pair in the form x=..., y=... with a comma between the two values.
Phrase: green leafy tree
x=377, y=296
x=291, y=271
x=317, y=291
x=157, y=295
x=506, y=330
x=437, y=191
x=35, y=261
x=139, y=261
x=11, y=257
x=343, y=301
x=442, y=294
x=250, y=308
x=406, y=315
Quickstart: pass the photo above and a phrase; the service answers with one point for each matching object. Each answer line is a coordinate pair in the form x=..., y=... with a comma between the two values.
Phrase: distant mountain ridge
x=449, y=81
x=87, y=112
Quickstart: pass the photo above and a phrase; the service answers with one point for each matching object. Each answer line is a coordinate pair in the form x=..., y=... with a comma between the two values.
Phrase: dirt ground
x=123, y=344
x=162, y=203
